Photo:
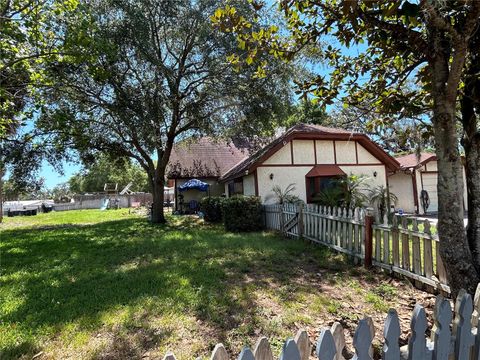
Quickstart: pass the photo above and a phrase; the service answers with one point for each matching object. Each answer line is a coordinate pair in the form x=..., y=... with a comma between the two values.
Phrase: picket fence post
x=369, y=218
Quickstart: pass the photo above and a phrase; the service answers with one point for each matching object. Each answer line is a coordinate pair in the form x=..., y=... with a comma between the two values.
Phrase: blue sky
x=52, y=177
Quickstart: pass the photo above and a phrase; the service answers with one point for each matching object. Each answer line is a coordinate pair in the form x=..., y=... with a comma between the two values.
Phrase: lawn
x=108, y=285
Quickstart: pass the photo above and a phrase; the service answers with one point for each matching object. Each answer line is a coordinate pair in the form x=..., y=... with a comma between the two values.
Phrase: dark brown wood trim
x=315, y=150
x=335, y=152
x=415, y=193
x=300, y=165
x=421, y=179
x=255, y=177
x=291, y=152
x=364, y=140
x=356, y=152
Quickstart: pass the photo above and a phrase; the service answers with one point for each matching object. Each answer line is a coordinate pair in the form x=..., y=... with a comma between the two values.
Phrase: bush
x=212, y=208
x=242, y=213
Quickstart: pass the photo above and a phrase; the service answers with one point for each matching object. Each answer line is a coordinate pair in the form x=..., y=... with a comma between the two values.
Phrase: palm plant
x=354, y=189
x=286, y=196
x=381, y=199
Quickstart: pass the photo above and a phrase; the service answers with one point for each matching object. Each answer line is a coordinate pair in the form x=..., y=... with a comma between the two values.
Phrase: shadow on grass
x=59, y=275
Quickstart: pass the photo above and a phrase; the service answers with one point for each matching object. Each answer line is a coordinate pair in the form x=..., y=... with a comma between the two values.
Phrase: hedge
x=212, y=208
x=242, y=213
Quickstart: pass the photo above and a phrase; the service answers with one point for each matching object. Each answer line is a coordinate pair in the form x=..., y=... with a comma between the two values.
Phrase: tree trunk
x=470, y=105
x=453, y=244
x=472, y=172
x=158, y=217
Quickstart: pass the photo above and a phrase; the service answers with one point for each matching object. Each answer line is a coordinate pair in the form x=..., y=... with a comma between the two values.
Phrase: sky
x=52, y=177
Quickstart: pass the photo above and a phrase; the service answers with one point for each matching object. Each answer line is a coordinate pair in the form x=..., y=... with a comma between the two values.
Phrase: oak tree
x=148, y=73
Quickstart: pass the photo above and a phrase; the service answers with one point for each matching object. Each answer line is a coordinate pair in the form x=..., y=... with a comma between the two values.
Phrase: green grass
x=92, y=284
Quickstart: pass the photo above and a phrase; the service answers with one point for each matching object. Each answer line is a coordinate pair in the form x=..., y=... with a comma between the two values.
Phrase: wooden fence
x=459, y=340
x=408, y=247
x=403, y=246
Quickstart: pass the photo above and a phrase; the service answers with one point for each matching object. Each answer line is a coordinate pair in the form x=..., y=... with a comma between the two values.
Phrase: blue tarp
x=194, y=184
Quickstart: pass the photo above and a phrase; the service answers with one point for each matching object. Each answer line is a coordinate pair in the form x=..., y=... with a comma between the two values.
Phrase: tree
x=307, y=112
x=106, y=170
x=29, y=37
x=150, y=73
x=433, y=43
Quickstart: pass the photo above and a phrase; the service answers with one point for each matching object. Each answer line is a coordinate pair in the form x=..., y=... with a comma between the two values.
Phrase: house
x=205, y=159
x=417, y=175
x=309, y=156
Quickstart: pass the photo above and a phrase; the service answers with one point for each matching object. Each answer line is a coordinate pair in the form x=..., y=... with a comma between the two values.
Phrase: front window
x=235, y=187
x=323, y=189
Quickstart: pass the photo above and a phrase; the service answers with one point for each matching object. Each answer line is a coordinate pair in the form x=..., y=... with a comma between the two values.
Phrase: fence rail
x=459, y=340
x=403, y=246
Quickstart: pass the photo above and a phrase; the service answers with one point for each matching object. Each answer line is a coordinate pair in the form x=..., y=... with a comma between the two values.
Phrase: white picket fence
x=459, y=340
x=405, y=246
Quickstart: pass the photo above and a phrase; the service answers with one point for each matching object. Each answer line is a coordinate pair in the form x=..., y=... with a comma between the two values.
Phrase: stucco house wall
x=291, y=163
x=425, y=177
x=401, y=186
x=248, y=185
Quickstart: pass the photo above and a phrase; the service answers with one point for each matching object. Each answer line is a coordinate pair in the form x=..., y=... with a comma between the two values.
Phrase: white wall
x=401, y=185
x=346, y=153
x=282, y=176
x=249, y=185
x=364, y=156
x=325, y=152
x=368, y=172
x=282, y=156
x=303, y=152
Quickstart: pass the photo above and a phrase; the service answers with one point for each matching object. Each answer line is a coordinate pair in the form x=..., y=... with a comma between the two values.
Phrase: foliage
x=285, y=196
x=107, y=170
x=392, y=135
x=211, y=207
x=381, y=198
x=329, y=197
x=151, y=73
x=242, y=213
x=307, y=112
x=347, y=191
x=61, y=193
x=29, y=37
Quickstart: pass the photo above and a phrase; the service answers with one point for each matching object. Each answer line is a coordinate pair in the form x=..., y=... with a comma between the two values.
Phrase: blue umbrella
x=194, y=184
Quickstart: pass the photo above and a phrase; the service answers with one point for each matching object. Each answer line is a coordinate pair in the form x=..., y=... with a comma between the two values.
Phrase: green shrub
x=212, y=208
x=242, y=213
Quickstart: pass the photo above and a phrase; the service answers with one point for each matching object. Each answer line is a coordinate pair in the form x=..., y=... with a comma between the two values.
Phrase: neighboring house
x=417, y=173
x=204, y=159
x=309, y=156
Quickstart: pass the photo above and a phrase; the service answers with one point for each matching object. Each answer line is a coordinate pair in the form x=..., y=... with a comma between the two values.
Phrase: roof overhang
x=325, y=170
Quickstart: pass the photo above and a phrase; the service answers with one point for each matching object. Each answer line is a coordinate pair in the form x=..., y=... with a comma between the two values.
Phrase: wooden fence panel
x=404, y=246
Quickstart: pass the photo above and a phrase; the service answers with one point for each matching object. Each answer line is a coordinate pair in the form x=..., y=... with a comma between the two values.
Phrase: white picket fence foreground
x=459, y=342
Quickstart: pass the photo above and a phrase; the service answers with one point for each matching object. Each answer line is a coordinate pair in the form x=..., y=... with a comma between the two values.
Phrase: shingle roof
x=307, y=130
x=414, y=160
x=204, y=157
